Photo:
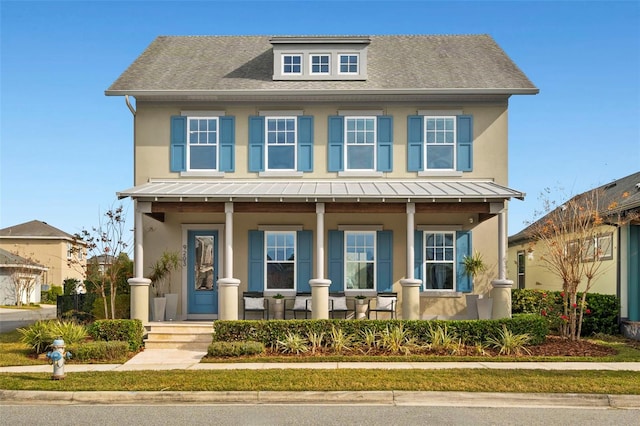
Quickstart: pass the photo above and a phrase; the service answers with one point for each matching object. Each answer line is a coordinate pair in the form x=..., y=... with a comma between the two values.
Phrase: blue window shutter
x=384, y=260
x=418, y=257
x=335, y=245
x=304, y=261
x=465, y=143
x=305, y=144
x=336, y=144
x=385, y=143
x=415, y=142
x=256, y=261
x=463, y=248
x=256, y=144
x=178, y=143
x=227, y=144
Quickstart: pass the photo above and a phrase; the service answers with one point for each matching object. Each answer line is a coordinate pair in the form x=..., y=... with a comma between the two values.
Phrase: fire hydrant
x=57, y=357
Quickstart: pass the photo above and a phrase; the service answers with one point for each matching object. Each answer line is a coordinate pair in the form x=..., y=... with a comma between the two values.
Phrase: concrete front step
x=179, y=335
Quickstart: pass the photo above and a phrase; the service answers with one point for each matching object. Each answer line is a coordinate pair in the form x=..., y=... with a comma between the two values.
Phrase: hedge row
x=130, y=331
x=99, y=351
x=602, y=315
x=470, y=332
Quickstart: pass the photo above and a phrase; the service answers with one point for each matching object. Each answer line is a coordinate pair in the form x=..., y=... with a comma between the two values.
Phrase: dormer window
x=292, y=64
x=349, y=64
x=320, y=64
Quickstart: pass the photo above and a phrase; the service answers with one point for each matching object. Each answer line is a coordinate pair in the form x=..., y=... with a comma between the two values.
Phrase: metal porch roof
x=321, y=190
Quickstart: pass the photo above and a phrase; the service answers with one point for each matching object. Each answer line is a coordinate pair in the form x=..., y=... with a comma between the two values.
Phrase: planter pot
x=159, y=306
x=278, y=308
x=361, y=308
x=171, y=312
x=472, y=306
x=485, y=308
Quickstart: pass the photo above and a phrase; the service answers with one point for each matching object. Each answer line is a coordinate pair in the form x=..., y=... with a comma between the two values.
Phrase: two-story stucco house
x=62, y=254
x=321, y=164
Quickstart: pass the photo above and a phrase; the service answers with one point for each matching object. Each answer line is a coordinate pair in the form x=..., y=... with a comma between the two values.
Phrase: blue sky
x=66, y=148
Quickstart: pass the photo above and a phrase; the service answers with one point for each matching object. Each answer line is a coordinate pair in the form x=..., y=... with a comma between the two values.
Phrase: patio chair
x=338, y=304
x=301, y=304
x=254, y=301
x=384, y=302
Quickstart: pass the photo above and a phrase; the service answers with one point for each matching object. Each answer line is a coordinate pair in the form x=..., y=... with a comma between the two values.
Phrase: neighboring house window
x=360, y=260
x=348, y=64
x=69, y=251
x=440, y=143
x=360, y=143
x=439, y=255
x=439, y=260
x=440, y=137
x=598, y=248
x=292, y=64
x=320, y=64
x=280, y=260
x=281, y=143
x=202, y=144
x=202, y=151
x=360, y=137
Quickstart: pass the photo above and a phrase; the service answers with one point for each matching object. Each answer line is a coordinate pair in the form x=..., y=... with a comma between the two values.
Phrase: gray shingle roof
x=34, y=229
x=442, y=63
x=312, y=190
x=8, y=259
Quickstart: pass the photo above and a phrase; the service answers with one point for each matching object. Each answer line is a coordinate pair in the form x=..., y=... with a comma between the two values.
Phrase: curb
x=404, y=398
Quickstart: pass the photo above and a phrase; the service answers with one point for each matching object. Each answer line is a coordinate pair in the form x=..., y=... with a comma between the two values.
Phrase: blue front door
x=202, y=272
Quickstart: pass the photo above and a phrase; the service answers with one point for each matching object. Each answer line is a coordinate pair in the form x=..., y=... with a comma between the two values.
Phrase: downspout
x=126, y=99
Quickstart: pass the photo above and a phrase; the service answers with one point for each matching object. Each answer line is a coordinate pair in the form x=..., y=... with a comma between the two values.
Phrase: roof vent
x=638, y=186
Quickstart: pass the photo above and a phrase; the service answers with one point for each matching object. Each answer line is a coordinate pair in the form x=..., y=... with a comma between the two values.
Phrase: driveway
x=10, y=319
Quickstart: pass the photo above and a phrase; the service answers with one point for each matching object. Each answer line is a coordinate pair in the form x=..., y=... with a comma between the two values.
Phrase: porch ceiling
x=416, y=190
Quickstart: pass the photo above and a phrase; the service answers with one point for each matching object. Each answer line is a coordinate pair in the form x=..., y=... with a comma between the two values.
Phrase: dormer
x=320, y=58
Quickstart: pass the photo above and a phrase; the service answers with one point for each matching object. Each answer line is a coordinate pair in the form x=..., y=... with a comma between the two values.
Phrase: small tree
x=106, y=247
x=567, y=235
x=24, y=273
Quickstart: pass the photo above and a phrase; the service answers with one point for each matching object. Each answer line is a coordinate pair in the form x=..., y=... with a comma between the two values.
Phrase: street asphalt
x=171, y=359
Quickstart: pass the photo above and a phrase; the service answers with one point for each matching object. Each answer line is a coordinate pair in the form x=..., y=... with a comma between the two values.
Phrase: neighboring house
x=101, y=262
x=61, y=253
x=617, y=241
x=350, y=164
x=20, y=279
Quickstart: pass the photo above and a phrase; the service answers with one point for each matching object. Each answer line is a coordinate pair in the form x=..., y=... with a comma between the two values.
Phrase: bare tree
x=569, y=236
x=24, y=276
x=105, y=244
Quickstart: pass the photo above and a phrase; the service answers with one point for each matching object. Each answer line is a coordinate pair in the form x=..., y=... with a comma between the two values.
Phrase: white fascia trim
x=295, y=228
x=440, y=112
x=202, y=113
x=360, y=227
x=281, y=113
x=439, y=227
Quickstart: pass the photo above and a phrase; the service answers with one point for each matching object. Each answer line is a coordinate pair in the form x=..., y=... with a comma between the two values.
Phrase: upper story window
x=440, y=137
x=202, y=150
x=349, y=64
x=320, y=64
x=69, y=251
x=281, y=143
x=202, y=143
x=360, y=137
x=440, y=143
x=280, y=260
x=292, y=64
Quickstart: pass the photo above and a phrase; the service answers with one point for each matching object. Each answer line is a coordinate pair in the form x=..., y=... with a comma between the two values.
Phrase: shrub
x=601, y=310
x=41, y=334
x=229, y=349
x=123, y=302
x=130, y=331
x=68, y=331
x=51, y=295
x=509, y=343
x=293, y=343
x=114, y=350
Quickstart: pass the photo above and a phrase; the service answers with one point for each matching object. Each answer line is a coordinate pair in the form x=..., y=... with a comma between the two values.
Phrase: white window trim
x=267, y=145
x=311, y=56
x=441, y=230
x=340, y=55
x=374, y=144
x=361, y=229
x=282, y=64
x=454, y=144
x=202, y=172
x=274, y=230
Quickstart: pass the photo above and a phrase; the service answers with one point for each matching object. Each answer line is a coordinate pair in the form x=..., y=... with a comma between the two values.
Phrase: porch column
x=320, y=285
x=228, y=286
x=501, y=292
x=139, y=285
x=410, y=285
